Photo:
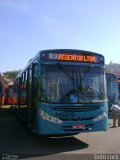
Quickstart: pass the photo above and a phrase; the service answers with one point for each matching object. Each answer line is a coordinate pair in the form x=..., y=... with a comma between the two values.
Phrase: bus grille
x=76, y=108
x=76, y=119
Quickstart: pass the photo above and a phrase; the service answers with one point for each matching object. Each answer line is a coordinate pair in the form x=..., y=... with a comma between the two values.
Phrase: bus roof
x=65, y=51
x=111, y=75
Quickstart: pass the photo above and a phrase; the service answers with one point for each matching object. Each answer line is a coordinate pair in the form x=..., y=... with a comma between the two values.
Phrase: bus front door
x=32, y=93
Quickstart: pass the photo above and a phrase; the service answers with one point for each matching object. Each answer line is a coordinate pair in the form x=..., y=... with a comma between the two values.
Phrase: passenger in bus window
x=116, y=114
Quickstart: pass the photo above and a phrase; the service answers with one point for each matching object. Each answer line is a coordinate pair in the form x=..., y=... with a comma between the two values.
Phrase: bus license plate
x=78, y=126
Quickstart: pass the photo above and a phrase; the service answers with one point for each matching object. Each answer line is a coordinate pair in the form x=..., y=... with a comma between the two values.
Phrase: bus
x=22, y=96
x=1, y=94
x=9, y=95
x=61, y=98
x=112, y=91
x=118, y=81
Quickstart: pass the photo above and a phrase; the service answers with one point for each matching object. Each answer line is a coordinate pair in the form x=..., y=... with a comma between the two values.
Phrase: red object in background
x=9, y=95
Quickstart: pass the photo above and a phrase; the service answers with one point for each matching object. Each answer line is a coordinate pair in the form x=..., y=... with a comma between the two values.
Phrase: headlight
x=100, y=117
x=49, y=118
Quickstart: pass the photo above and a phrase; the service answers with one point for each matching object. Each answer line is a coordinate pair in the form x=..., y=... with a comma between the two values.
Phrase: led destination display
x=70, y=57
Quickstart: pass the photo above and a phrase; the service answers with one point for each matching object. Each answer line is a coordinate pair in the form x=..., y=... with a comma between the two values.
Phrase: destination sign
x=72, y=57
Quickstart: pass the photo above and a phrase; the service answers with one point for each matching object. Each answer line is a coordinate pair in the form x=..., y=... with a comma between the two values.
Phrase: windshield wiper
x=64, y=71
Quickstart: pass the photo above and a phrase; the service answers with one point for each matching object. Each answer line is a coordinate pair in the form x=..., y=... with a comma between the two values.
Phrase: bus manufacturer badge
x=74, y=98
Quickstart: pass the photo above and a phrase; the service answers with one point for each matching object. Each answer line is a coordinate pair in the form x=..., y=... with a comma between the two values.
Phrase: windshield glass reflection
x=71, y=84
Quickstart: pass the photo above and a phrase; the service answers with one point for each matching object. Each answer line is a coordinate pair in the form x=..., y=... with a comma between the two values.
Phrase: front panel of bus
x=71, y=94
x=9, y=93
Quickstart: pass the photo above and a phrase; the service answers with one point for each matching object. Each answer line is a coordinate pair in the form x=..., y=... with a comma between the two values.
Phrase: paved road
x=16, y=140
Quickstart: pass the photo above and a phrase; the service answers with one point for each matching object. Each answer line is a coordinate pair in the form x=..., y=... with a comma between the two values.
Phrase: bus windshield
x=10, y=92
x=71, y=84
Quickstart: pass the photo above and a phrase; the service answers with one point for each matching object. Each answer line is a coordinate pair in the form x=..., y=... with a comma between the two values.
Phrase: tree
x=11, y=74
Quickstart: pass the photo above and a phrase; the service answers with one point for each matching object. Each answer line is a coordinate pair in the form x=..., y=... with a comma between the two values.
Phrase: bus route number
x=66, y=115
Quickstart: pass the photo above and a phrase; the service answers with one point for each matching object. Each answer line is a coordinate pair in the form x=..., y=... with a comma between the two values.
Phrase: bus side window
x=36, y=76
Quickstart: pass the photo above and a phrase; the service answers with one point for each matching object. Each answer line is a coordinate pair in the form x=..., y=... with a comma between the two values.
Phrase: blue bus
x=112, y=91
x=65, y=93
x=118, y=81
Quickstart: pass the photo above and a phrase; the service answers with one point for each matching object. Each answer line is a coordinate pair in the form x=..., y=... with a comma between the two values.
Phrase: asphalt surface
x=17, y=143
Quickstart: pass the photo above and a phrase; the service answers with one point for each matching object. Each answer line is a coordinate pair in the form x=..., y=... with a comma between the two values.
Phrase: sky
x=28, y=26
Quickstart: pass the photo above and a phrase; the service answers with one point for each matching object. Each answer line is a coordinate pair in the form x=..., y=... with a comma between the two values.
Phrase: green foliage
x=11, y=74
